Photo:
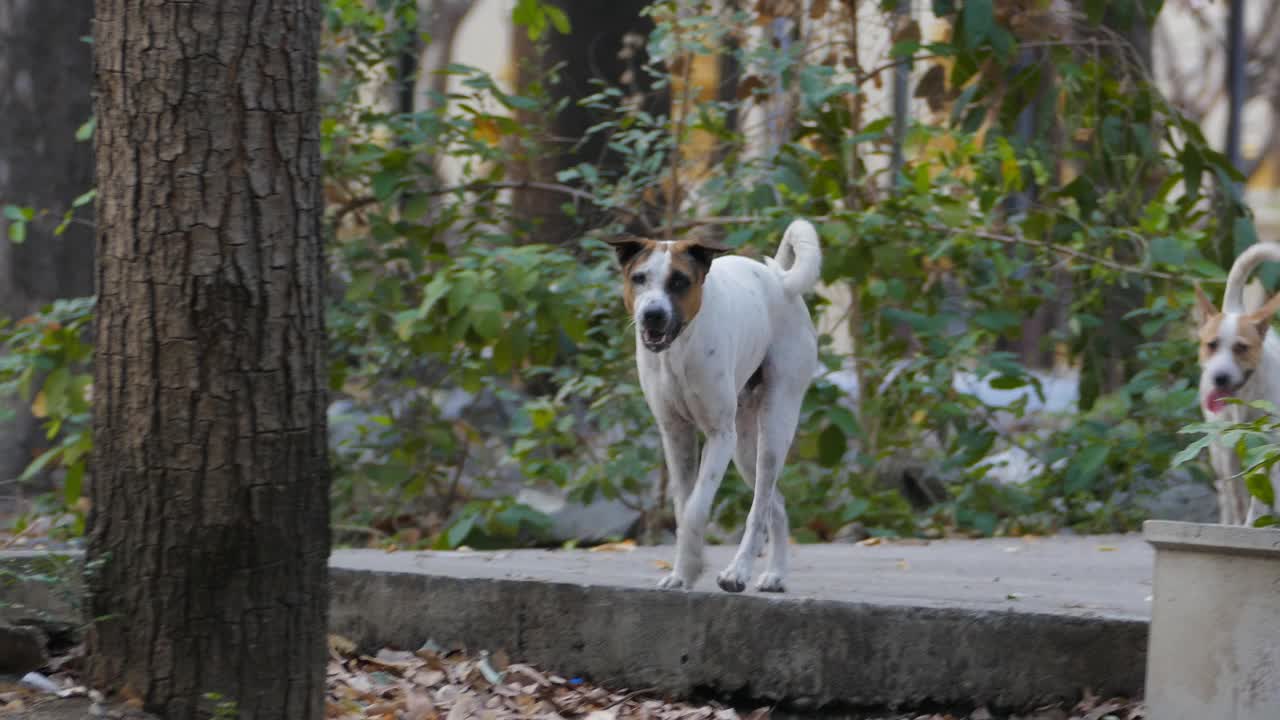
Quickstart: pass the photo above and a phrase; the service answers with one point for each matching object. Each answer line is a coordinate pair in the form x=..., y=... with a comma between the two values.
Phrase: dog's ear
x=703, y=250
x=627, y=247
x=1261, y=318
x=1204, y=304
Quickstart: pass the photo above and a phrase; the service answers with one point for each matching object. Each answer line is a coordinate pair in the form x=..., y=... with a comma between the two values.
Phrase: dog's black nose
x=654, y=318
x=1221, y=380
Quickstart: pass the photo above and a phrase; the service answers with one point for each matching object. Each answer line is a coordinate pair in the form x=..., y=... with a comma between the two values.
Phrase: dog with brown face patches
x=1239, y=358
x=726, y=349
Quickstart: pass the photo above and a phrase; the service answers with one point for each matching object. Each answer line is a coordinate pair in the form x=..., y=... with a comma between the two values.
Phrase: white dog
x=1239, y=358
x=725, y=348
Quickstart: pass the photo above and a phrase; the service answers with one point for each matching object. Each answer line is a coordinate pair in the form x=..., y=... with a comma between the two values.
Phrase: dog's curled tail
x=799, y=260
x=1242, y=269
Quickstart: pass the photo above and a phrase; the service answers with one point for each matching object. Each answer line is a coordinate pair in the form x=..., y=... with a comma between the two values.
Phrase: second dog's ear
x=1204, y=304
x=704, y=250
x=1261, y=317
x=627, y=247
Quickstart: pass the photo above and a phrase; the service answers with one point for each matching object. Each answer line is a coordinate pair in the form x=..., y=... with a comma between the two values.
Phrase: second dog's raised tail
x=1242, y=269
x=799, y=260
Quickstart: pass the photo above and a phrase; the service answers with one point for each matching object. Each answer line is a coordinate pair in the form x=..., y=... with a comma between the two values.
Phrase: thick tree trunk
x=208, y=534
x=45, y=79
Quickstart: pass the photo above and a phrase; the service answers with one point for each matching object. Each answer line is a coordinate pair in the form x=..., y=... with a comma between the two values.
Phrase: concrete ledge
x=1214, y=633
x=1217, y=539
x=1008, y=623
x=929, y=639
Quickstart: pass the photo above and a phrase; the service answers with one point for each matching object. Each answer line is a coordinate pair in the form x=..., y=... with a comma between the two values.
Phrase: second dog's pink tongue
x=1215, y=400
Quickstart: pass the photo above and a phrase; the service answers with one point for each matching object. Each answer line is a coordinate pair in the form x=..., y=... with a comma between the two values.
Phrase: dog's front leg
x=680, y=449
x=1233, y=498
x=691, y=525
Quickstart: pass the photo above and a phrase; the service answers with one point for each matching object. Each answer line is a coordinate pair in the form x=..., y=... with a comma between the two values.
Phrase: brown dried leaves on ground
x=435, y=684
x=431, y=683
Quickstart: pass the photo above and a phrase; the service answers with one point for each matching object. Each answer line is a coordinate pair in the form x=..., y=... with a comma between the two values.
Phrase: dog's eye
x=1240, y=348
x=678, y=282
x=1212, y=345
x=637, y=278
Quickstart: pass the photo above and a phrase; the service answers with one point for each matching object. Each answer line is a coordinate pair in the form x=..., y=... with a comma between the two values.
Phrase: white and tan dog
x=725, y=348
x=1239, y=358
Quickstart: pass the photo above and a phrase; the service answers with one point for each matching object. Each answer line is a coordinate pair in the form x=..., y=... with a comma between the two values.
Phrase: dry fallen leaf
x=341, y=646
x=624, y=546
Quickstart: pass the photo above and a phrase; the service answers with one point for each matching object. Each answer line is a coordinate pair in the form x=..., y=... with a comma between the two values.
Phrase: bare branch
x=984, y=234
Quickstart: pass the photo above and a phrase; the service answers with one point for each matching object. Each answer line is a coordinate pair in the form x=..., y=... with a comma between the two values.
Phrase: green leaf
x=415, y=206
x=486, y=315
x=1259, y=484
x=436, y=289
x=384, y=184
x=998, y=320
x=16, y=213
x=1244, y=233
x=1009, y=382
x=558, y=19
x=1265, y=521
x=978, y=21
x=1084, y=468
x=1167, y=250
x=832, y=445
x=39, y=464
x=73, y=484
x=855, y=509
x=404, y=321
x=85, y=199
x=18, y=232
x=85, y=131
x=843, y=418
x=1190, y=452
x=457, y=533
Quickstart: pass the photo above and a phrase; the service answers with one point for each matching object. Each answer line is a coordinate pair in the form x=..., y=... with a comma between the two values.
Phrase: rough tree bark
x=209, y=534
x=45, y=79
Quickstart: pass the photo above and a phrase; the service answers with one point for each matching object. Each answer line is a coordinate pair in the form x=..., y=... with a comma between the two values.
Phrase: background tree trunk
x=45, y=77
x=589, y=53
x=208, y=534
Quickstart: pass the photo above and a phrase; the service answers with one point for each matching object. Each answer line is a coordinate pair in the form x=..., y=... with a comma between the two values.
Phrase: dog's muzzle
x=1215, y=400
x=658, y=330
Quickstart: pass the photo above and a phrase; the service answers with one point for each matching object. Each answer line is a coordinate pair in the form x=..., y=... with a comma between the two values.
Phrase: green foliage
x=220, y=707
x=464, y=354
x=1253, y=439
x=44, y=361
x=59, y=575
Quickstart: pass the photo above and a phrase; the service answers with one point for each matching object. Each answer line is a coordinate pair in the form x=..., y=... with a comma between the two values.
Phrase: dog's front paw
x=732, y=580
x=673, y=581
x=770, y=582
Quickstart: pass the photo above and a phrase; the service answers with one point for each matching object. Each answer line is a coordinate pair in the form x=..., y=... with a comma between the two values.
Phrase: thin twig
x=484, y=186
x=984, y=234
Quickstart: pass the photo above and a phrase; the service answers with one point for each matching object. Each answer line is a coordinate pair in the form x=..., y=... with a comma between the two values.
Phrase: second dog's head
x=1230, y=348
x=662, y=284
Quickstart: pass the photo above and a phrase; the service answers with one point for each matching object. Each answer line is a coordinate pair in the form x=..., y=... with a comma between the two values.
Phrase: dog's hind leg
x=776, y=421
x=777, y=430
x=744, y=456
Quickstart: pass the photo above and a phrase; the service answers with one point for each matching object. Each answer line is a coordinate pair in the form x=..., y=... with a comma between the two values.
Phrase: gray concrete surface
x=1010, y=623
x=1215, y=642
